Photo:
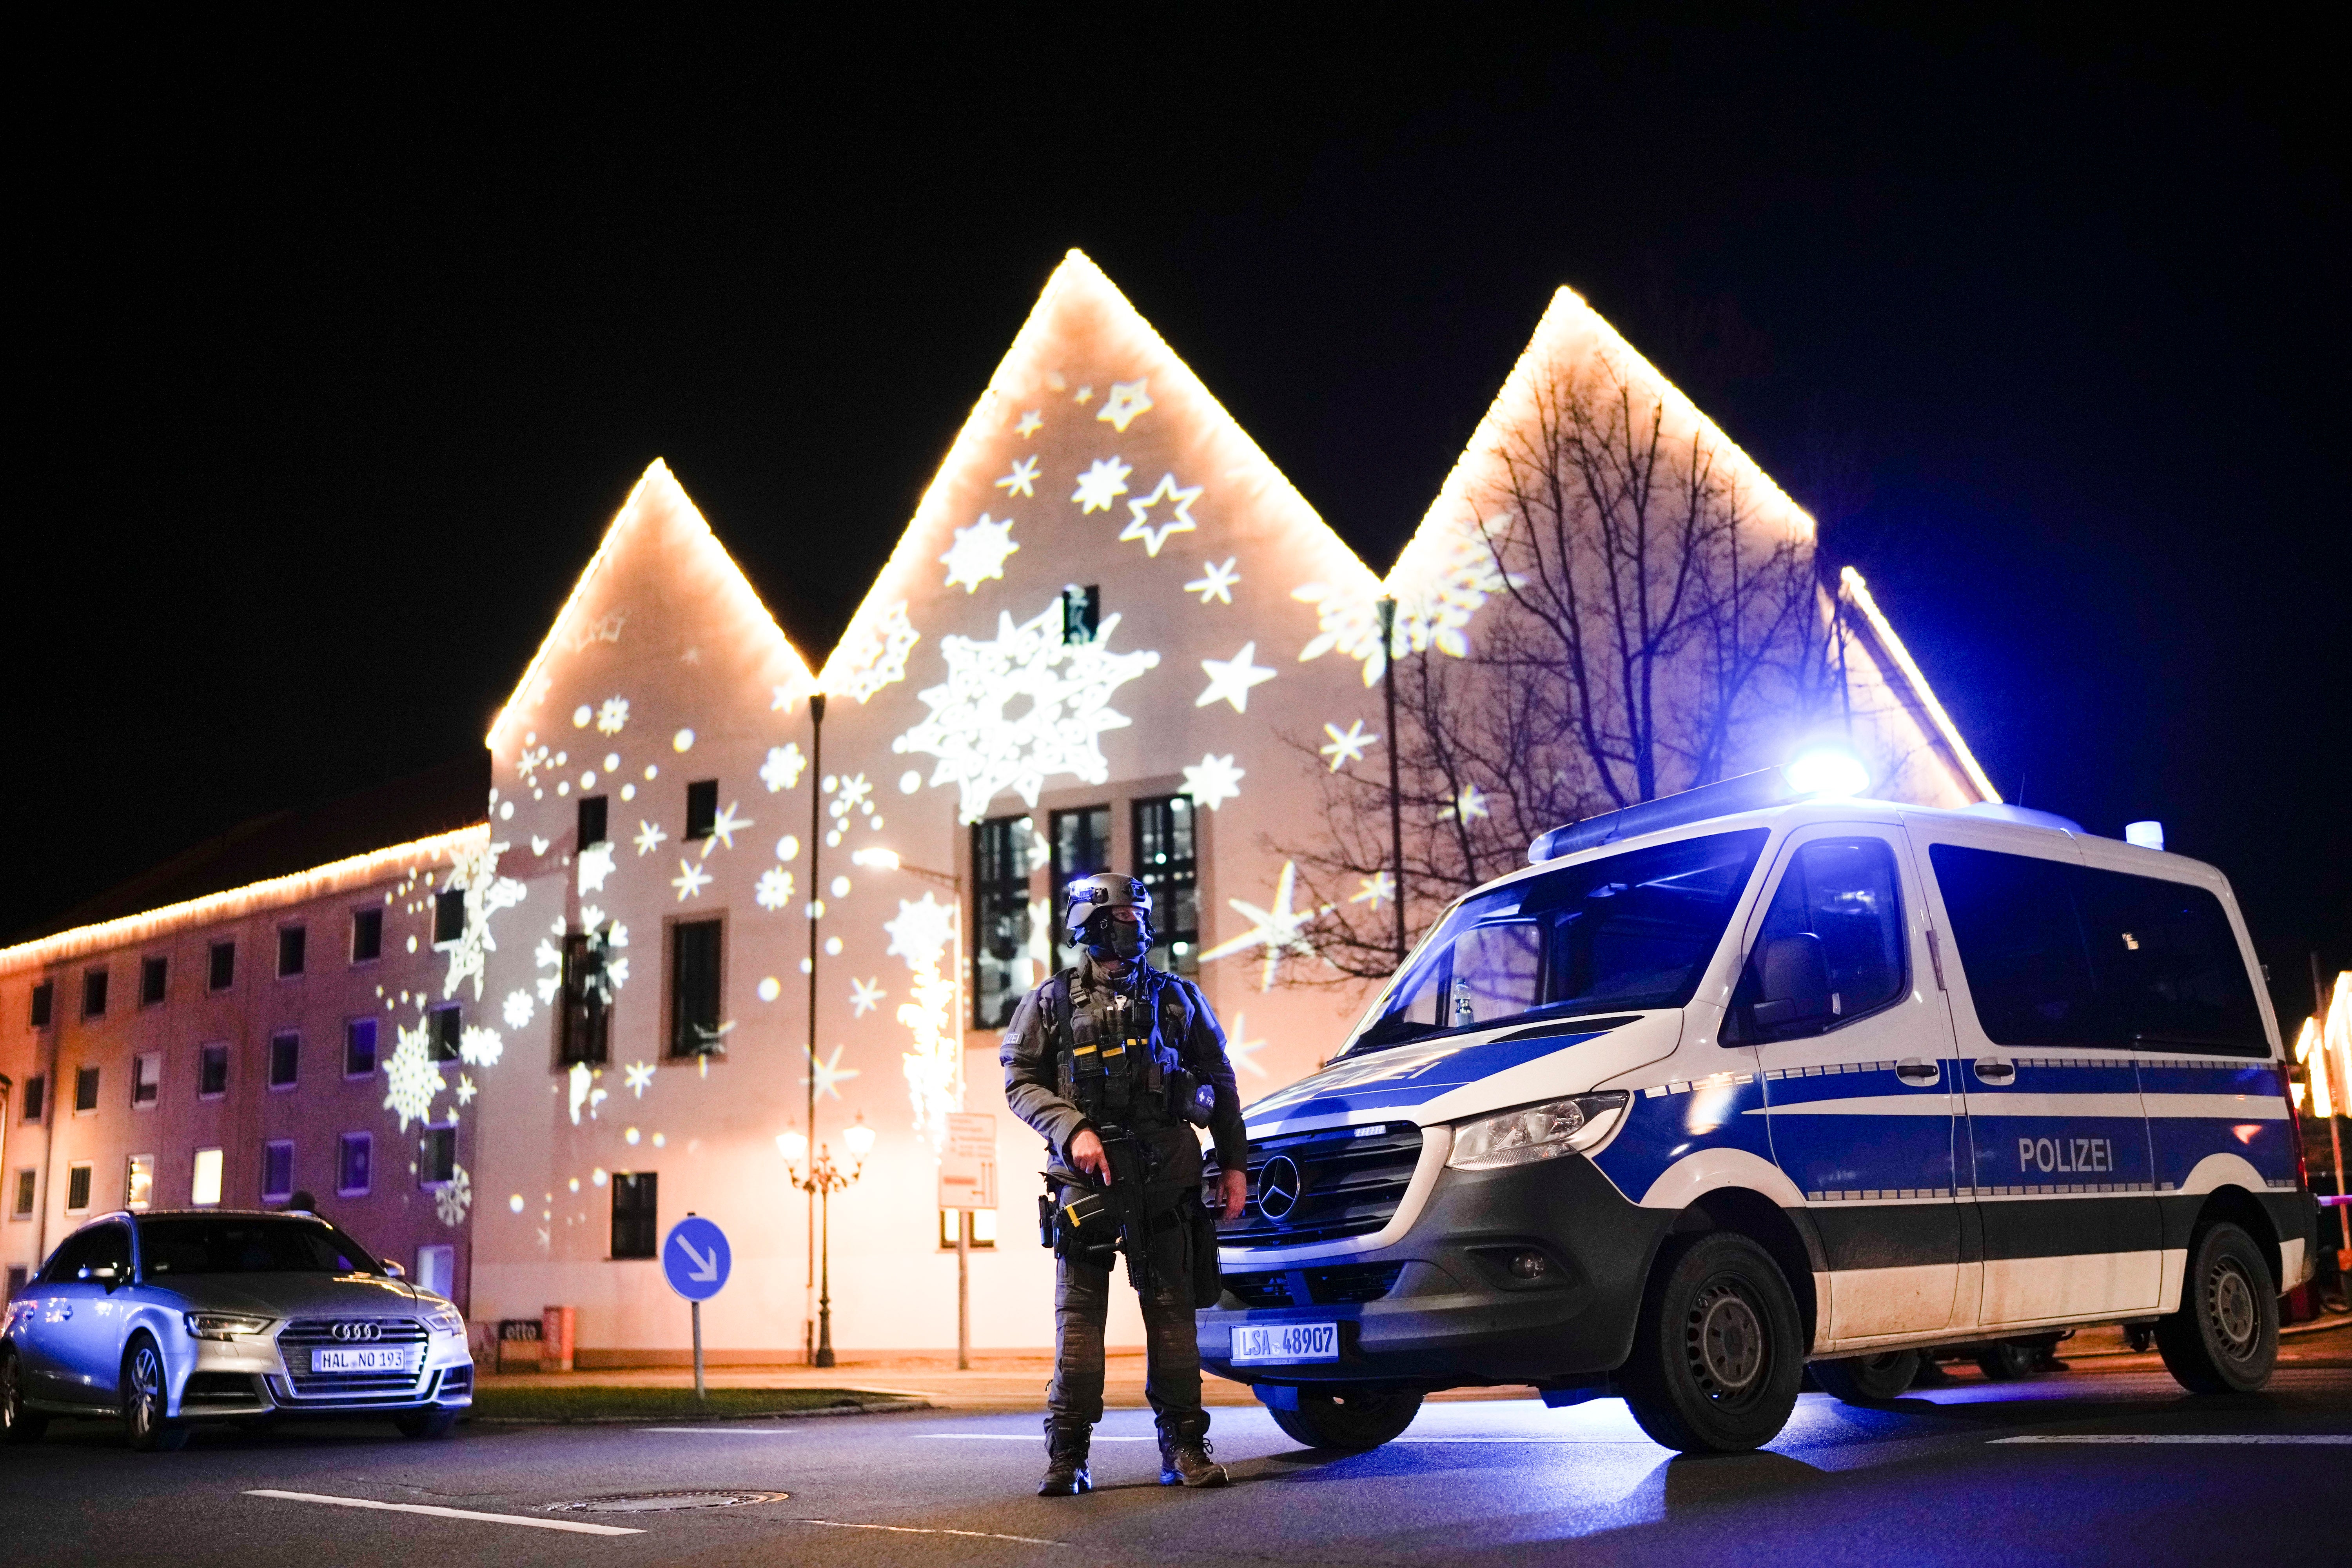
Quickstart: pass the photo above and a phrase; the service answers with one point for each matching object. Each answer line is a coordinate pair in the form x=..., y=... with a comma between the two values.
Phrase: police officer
x=1114, y=1063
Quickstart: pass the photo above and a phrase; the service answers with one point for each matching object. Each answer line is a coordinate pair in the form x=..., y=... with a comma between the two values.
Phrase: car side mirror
x=394, y=1270
x=103, y=1273
x=1793, y=982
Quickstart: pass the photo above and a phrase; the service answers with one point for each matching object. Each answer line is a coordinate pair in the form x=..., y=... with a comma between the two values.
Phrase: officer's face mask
x=1108, y=937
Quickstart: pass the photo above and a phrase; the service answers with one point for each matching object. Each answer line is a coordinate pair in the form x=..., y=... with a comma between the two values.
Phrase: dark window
x=694, y=1025
x=2169, y=963
x=1002, y=965
x=27, y=1180
x=701, y=808
x=437, y=1156
x=1844, y=893
x=367, y=935
x=223, y=971
x=1167, y=861
x=354, y=1160
x=146, y=1078
x=36, y=1095
x=584, y=1024
x=44, y=1000
x=152, y=973
x=93, y=994
x=591, y=819
x=292, y=940
x=285, y=1060
x=86, y=1088
x=443, y=1028
x=250, y=1244
x=634, y=1215
x=1081, y=613
x=2021, y=946
x=1081, y=848
x=15, y=1283
x=448, y=915
x=212, y=1071
x=358, y=1048
x=277, y=1171
x=76, y=1188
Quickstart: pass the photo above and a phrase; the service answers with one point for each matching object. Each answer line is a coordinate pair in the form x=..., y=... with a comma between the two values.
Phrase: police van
x=1743, y=1079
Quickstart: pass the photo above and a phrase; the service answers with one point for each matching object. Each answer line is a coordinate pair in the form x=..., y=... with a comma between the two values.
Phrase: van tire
x=2007, y=1361
x=1719, y=1349
x=1351, y=1419
x=1868, y=1379
x=2225, y=1337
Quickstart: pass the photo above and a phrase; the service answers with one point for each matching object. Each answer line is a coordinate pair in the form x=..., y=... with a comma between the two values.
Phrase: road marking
x=915, y=1529
x=575, y=1527
x=1021, y=1437
x=2193, y=1439
x=729, y=1431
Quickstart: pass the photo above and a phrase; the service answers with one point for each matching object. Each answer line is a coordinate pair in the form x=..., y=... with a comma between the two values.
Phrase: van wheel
x=144, y=1400
x=19, y=1422
x=428, y=1424
x=1353, y=1419
x=1719, y=1351
x=2008, y=1360
x=2224, y=1339
x=1868, y=1379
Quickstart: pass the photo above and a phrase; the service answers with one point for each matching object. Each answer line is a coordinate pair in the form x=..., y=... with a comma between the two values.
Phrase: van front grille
x=1349, y=1182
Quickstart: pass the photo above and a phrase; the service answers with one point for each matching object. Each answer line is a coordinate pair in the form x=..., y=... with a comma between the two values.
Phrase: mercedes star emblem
x=1278, y=1185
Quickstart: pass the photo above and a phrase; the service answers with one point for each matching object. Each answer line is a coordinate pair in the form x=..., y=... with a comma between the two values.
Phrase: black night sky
x=335, y=351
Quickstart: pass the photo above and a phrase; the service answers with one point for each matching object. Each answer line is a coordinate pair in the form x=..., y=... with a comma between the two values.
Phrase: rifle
x=1124, y=1201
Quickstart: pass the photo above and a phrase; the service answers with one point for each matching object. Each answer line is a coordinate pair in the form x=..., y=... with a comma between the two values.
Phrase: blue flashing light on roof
x=1824, y=769
x=1821, y=770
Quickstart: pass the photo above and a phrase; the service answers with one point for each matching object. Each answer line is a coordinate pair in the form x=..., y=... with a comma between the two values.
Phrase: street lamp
x=823, y=1180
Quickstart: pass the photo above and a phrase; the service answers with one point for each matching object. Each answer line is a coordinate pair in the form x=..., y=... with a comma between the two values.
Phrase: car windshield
x=173, y=1246
x=1629, y=931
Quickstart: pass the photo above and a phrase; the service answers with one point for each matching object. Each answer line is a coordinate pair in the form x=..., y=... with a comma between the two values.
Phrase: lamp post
x=815, y=912
x=823, y=1180
x=1387, y=606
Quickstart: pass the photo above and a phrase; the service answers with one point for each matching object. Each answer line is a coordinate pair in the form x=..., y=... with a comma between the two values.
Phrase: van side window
x=1844, y=893
x=2167, y=964
x=2021, y=946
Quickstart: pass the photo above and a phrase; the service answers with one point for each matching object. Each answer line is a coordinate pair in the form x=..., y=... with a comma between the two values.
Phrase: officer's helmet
x=1105, y=891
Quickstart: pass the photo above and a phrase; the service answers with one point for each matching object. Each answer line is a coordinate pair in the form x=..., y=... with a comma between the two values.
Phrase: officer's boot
x=1066, y=1461
x=1184, y=1455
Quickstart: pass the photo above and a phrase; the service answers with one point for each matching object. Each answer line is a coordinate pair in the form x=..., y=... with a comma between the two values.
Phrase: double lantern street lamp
x=821, y=1180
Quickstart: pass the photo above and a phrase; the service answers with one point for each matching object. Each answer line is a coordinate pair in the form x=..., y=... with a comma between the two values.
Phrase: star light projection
x=1214, y=781
x=1023, y=708
x=1230, y=680
x=827, y=1074
x=979, y=551
x=1178, y=518
x=1348, y=747
x=1215, y=582
x=1128, y=402
x=1278, y=931
x=1102, y=484
x=1022, y=480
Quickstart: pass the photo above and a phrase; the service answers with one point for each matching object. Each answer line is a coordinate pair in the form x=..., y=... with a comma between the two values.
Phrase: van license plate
x=1261, y=1342
x=387, y=1359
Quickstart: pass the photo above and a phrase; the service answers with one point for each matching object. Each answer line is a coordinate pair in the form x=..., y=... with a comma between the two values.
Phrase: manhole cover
x=664, y=1502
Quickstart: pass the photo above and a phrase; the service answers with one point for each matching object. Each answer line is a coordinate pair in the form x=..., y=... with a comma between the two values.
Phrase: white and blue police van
x=1741, y=1080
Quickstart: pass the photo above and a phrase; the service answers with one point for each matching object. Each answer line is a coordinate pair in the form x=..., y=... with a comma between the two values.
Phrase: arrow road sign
x=696, y=1258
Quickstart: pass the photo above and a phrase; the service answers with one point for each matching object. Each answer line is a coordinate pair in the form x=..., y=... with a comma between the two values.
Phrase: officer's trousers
x=1172, y=1382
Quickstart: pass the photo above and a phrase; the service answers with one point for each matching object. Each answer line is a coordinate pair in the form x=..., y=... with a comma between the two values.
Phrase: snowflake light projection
x=412, y=1078
x=865, y=995
x=1436, y=612
x=1129, y=401
x=826, y=1074
x=465, y=1089
x=613, y=715
x=1214, y=781
x=649, y=838
x=1230, y=680
x=474, y=867
x=979, y=553
x=477, y=1047
x=775, y=888
x=518, y=1008
x=1277, y=930
x=1021, y=481
x=875, y=653
x=455, y=1196
x=595, y=864
x=584, y=1094
x=1374, y=889
x=1215, y=582
x=1101, y=484
x=690, y=880
x=1062, y=692
x=784, y=767
x=1178, y=518
x=637, y=1077
x=724, y=826
x=1470, y=806
x=1347, y=746
x=921, y=933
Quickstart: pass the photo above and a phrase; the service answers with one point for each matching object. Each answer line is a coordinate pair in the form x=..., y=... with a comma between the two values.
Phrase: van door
x=1855, y=1055
x=2056, y=1148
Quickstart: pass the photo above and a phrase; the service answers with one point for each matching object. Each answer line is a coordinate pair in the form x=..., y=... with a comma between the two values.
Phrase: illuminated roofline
x=294, y=888
x=657, y=469
x=1850, y=582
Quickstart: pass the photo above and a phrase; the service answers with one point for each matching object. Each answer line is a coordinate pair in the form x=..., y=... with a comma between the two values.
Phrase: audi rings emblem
x=1278, y=1183
x=358, y=1331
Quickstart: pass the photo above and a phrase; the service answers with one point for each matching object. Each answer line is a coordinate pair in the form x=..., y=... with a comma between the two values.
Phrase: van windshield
x=1629, y=931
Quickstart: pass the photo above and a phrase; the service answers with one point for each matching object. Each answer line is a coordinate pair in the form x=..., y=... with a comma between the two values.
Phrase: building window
x=583, y=1023
x=28, y=1182
x=437, y=1156
x=1004, y=960
x=701, y=808
x=37, y=1097
x=444, y=1031
x=1167, y=861
x=222, y=972
x=93, y=994
x=293, y=942
x=358, y=1048
x=139, y=1182
x=1081, y=847
x=85, y=1090
x=152, y=973
x=146, y=1078
x=212, y=1071
x=204, y=1182
x=694, y=955
x=591, y=820
x=634, y=1215
x=277, y=1170
x=45, y=996
x=285, y=1060
x=436, y=1269
x=980, y=1227
x=355, y=1161
x=367, y=935
x=78, y=1187
x=1081, y=614
x=448, y=915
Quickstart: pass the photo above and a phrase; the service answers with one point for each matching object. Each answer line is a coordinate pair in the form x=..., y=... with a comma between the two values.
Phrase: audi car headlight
x=1542, y=1131
x=223, y=1325
x=445, y=1318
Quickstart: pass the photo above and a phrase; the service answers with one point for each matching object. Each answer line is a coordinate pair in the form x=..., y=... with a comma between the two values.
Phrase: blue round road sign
x=695, y=1258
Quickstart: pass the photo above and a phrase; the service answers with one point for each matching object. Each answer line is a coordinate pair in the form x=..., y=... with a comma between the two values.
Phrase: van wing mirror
x=1793, y=981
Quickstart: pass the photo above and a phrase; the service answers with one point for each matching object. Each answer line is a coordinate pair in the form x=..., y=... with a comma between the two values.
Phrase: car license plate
x=1260, y=1343
x=387, y=1358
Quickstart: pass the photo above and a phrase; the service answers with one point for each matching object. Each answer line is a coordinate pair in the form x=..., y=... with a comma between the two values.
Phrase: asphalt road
x=2077, y=1468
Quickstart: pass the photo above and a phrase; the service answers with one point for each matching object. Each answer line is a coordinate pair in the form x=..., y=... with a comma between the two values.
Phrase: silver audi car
x=166, y=1318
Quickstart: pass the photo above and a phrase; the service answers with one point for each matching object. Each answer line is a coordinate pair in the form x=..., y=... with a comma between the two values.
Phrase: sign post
x=696, y=1261
x=967, y=1182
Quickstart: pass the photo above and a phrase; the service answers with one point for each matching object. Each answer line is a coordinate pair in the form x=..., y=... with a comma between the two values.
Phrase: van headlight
x=1542, y=1131
x=223, y=1325
x=445, y=1318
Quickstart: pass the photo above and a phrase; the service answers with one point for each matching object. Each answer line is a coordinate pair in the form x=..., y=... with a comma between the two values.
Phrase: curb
x=840, y=1407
